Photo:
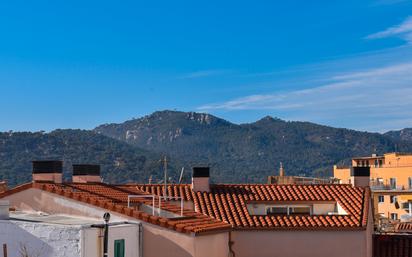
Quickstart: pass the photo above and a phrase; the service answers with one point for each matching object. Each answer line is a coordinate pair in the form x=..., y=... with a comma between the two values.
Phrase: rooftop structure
x=185, y=219
x=390, y=179
x=283, y=179
x=40, y=234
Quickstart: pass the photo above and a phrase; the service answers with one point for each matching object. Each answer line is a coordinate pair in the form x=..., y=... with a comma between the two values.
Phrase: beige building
x=390, y=180
x=283, y=179
x=203, y=219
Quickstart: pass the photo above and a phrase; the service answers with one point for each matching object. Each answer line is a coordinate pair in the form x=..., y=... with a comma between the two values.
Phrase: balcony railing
x=386, y=186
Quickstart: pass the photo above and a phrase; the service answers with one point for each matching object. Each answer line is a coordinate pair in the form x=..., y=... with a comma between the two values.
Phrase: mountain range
x=236, y=153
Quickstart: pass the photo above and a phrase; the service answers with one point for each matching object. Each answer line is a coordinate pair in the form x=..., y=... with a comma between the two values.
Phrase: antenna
x=181, y=175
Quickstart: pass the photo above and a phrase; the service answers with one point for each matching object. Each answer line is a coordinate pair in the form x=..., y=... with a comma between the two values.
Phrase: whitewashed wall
x=41, y=240
x=51, y=240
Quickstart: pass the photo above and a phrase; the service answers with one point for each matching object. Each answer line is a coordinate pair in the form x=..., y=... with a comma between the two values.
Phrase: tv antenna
x=181, y=175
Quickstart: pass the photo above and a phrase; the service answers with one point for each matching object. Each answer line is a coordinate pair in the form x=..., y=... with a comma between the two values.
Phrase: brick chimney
x=47, y=171
x=200, y=179
x=86, y=173
x=360, y=176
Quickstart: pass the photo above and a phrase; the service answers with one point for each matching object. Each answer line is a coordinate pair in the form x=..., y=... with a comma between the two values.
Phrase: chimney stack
x=47, y=171
x=86, y=173
x=360, y=176
x=200, y=179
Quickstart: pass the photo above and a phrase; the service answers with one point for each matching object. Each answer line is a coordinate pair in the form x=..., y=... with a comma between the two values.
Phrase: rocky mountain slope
x=249, y=152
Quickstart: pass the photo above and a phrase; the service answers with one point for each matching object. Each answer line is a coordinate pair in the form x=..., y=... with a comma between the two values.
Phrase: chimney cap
x=47, y=166
x=86, y=169
x=199, y=172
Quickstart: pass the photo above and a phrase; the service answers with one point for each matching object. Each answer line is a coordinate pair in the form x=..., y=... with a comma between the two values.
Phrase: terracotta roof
x=228, y=203
x=115, y=199
x=225, y=206
x=404, y=227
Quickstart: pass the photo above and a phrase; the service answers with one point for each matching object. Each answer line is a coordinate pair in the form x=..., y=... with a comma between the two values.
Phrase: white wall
x=51, y=240
x=92, y=246
x=323, y=208
x=43, y=240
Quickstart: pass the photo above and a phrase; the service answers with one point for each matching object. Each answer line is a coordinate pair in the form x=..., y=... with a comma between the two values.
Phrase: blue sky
x=78, y=64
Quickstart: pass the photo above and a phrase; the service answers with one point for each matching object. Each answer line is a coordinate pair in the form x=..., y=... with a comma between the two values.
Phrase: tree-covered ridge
x=119, y=161
x=131, y=151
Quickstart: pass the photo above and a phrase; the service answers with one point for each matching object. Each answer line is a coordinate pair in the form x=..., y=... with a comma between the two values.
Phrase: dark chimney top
x=47, y=167
x=201, y=172
x=360, y=171
x=86, y=169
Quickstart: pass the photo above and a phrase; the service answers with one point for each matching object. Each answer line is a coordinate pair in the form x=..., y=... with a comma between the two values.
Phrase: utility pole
x=165, y=171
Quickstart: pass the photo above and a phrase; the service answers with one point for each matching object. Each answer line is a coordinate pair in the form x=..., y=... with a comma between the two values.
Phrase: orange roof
x=404, y=227
x=225, y=206
x=228, y=203
x=115, y=199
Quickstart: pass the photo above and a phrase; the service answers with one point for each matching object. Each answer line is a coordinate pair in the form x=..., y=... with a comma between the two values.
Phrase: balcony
x=376, y=185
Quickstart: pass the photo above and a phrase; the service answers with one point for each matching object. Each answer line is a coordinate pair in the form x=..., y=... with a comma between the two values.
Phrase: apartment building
x=204, y=219
x=390, y=180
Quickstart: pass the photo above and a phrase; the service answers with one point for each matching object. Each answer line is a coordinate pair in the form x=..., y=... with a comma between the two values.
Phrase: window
x=394, y=216
x=393, y=198
x=405, y=205
x=290, y=210
x=393, y=183
x=277, y=210
x=381, y=199
x=410, y=182
x=380, y=163
x=119, y=248
x=376, y=163
x=300, y=210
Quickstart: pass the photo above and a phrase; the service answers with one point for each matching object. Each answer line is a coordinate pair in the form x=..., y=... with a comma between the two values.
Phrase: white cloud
x=403, y=30
x=389, y=2
x=361, y=99
x=202, y=73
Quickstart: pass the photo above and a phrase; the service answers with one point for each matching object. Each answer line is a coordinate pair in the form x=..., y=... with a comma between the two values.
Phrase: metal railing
x=374, y=185
x=129, y=197
x=143, y=196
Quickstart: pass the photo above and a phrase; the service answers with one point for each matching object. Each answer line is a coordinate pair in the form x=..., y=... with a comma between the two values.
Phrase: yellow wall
x=394, y=165
x=396, y=159
x=402, y=174
x=386, y=208
x=343, y=174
